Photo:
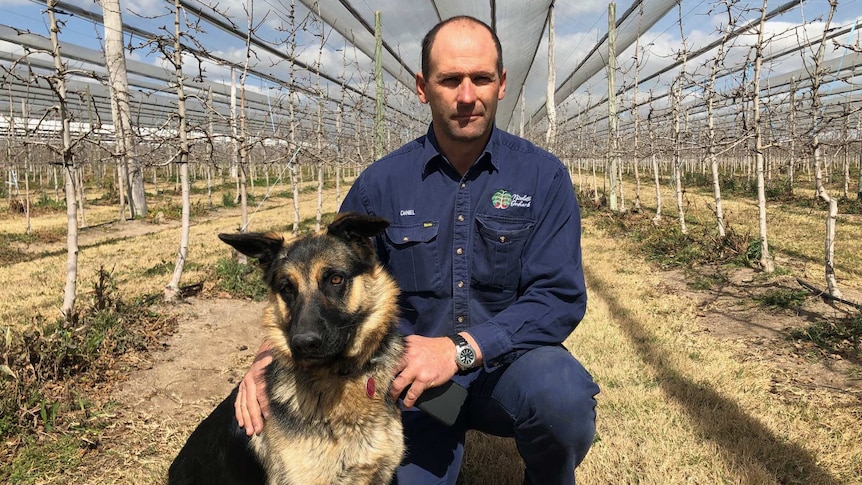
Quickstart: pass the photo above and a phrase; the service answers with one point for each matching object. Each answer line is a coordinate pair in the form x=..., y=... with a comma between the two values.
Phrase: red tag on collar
x=370, y=387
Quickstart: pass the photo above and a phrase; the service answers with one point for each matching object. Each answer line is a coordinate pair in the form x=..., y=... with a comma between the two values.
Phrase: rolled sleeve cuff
x=494, y=343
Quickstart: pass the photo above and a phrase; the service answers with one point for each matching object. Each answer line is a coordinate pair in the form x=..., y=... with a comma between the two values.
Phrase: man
x=485, y=245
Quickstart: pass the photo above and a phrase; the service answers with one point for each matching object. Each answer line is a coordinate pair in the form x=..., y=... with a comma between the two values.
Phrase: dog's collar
x=370, y=387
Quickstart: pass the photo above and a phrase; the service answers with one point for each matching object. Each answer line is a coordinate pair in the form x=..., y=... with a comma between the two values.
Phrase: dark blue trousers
x=545, y=400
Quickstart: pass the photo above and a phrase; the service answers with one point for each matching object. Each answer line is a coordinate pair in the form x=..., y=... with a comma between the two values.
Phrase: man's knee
x=560, y=397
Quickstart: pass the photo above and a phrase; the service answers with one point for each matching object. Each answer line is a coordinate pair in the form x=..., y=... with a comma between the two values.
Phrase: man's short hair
x=429, y=38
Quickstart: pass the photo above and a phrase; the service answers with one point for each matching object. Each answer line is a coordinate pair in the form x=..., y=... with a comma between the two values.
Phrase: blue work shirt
x=495, y=253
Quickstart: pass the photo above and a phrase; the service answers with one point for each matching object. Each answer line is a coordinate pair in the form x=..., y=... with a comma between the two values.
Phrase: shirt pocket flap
x=416, y=233
x=504, y=229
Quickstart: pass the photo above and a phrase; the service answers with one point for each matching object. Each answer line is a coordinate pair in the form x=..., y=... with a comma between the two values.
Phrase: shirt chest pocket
x=413, y=256
x=497, y=250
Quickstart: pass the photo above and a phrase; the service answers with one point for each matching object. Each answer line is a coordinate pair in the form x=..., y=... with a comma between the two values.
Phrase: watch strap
x=459, y=340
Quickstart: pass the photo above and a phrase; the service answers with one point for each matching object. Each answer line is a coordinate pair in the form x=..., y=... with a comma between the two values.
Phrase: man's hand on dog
x=251, y=403
x=428, y=362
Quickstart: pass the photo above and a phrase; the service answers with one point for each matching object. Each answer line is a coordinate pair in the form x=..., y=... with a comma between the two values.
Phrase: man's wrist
x=467, y=354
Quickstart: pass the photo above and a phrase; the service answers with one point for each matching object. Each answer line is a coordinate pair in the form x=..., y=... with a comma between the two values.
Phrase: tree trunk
x=115, y=62
x=172, y=290
x=657, y=218
x=677, y=141
x=677, y=156
x=319, y=217
x=766, y=261
x=831, y=219
x=294, y=184
x=59, y=84
x=551, y=106
x=832, y=215
x=612, y=171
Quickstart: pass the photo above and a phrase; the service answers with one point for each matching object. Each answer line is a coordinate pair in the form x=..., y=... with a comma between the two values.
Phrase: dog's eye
x=336, y=279
x=286, y=287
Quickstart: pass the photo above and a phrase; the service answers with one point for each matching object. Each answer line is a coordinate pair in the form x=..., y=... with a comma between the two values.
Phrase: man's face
x=463, y=86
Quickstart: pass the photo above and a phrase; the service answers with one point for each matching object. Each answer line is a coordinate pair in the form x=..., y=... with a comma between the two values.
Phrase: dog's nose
x=307, y=342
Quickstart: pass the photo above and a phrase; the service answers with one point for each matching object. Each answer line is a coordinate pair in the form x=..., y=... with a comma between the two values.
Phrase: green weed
x=49, y=366
x=843, y=337
x=39, y=458
x=238, y=279
x=783, y=298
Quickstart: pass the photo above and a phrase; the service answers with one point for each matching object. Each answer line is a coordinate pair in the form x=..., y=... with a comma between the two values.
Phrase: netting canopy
x=316, y=58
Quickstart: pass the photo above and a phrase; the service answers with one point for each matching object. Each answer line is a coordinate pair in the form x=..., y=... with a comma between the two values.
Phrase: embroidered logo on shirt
x=408, y=212
x=502, y=199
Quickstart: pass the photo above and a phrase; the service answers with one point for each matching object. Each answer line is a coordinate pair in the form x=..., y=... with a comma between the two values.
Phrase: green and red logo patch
x=501, y=199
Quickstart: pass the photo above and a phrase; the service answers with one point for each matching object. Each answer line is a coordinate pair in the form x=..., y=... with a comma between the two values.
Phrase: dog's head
x=331, y=301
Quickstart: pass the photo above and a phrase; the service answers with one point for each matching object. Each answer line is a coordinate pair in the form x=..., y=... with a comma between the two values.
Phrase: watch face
x=466, y=357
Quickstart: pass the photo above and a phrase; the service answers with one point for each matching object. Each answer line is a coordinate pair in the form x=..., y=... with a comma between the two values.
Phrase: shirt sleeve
x=552, y=294
x=355, y=201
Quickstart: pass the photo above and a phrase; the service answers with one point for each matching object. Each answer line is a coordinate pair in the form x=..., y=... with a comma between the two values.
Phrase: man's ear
x=420, y=88
x=502, y=91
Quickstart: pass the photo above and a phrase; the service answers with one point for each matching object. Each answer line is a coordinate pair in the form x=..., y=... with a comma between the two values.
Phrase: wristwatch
x=465, y=356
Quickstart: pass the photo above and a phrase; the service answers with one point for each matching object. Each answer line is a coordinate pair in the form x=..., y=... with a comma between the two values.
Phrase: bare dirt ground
x=161, y=402
x=729, y=312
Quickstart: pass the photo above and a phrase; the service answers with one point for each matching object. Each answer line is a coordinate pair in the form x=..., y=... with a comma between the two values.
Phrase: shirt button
x=460, y=218
x=459, y=251
x=460, y=284
x=460, y=319
x=406, y=238
x=463, y=185
x=502, y=239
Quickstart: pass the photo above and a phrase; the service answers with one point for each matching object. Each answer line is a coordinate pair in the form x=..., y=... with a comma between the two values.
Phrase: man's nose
x=467, y=91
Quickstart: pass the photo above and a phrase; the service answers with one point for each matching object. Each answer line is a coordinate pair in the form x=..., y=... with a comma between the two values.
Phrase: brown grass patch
x=700, y=384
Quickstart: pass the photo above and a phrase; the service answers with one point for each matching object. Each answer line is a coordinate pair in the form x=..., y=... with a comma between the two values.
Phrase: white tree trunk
x=677, y=157
x=551, y=135
x=115, y=62
x=766, y=261
x=677, y=143
x=319, y=216
x=59, y=82
x=832, y=215
x=294, y=184
x=172, y=290
x=657, y=218
x=831, y=218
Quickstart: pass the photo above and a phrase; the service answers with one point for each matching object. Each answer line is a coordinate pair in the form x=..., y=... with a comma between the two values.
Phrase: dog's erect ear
x=263, y=246
x=351, y=227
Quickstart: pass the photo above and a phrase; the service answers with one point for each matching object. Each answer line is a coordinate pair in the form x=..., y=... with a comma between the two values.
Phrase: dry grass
x=139, y=254
x=678, y=403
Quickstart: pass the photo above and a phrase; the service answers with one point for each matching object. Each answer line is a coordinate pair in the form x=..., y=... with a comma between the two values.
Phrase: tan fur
x=349, y=437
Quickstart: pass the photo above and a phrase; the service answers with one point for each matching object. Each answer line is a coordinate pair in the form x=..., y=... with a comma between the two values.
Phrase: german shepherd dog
x=331, y=320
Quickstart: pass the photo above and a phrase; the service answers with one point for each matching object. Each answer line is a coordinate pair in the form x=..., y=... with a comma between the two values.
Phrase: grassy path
x=678, y=405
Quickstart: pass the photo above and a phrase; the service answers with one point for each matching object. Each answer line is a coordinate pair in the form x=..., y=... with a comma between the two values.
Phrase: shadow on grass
x=718, y=418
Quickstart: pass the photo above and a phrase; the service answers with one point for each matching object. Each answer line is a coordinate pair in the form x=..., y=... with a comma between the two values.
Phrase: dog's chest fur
x=320, y=433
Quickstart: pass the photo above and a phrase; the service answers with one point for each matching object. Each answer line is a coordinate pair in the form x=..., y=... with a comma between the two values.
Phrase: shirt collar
x=434, y=160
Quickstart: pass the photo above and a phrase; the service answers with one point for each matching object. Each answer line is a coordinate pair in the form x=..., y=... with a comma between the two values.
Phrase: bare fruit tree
x=131, y=171
x=172, y=290
x=551, y=136
x=817, y=124
x=58, y=84
x=711, y=95
x=677, y=89
x=766, y=261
